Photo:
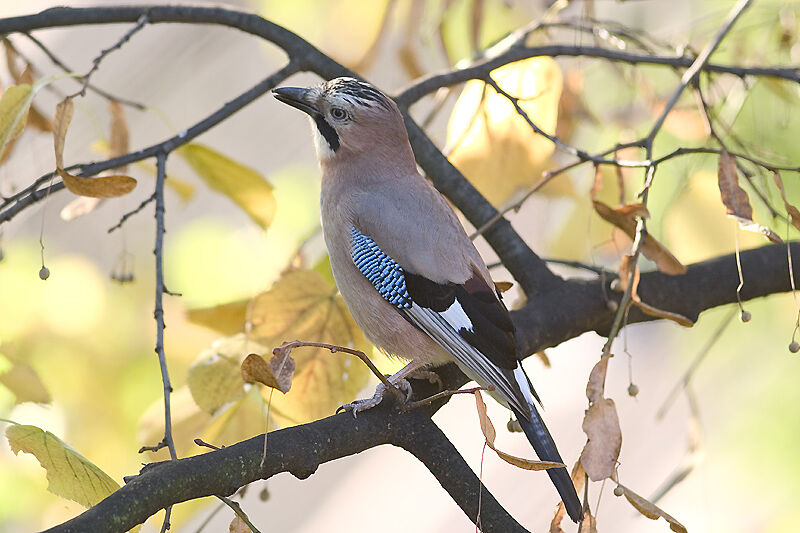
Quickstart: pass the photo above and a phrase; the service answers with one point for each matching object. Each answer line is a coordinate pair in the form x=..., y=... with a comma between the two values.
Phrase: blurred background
x=88, y=339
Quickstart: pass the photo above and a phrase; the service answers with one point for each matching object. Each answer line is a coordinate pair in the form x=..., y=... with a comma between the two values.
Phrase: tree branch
x=298, y=450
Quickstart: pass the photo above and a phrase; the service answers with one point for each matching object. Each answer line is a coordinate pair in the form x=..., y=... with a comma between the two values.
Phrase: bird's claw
x=358, y=406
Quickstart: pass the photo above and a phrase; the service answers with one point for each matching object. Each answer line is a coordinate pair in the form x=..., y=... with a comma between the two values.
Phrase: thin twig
x=239, y=512
x=161, y=161
x=408, y=406
x=116, y=46
x=63, y=66
x=289, y=346
x=129, y=214
x=699, y=358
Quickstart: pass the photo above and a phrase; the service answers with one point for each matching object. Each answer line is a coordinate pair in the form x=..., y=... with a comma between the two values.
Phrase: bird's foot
x=402, y=386
x=428, y=375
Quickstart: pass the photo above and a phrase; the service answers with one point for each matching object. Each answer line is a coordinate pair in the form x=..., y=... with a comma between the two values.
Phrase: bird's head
x=350, y=118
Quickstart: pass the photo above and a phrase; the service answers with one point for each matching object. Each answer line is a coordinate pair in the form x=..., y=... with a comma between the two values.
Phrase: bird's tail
x=545, y=448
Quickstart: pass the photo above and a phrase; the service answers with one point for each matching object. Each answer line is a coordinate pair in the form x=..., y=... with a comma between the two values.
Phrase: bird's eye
x=338, y=113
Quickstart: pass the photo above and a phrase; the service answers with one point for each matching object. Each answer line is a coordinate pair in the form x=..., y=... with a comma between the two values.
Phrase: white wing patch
x=524, y=385
x=456, y=316
x=443, y=332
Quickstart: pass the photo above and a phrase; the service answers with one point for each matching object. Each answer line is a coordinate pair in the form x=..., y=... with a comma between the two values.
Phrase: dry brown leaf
x=64, y=111
x=489, y=433
x=588, y=523
x=103, y=187
x=737, y=204
x=597, y=379
x=624, y=276
x=623, y=218
x=650, y=510
x=542, y=355
x=119, y=139
x=578, y=476
x=503, y=286
x=733, y=196
x=604, y=440
x=661, y=313
x=793, y=212
x=238, y=525
x=276, y=374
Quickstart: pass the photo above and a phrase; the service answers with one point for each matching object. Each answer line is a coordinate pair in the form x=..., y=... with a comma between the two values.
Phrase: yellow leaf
x=241, y=184
x=491, y=144
x=227, y=319
x=604, y=440
x=14, y=105
x=489, y=433
x=238, y=421
x=103, y=187
x=70, y=474
x=26, y=384
x=214, y=378
x=303, y=306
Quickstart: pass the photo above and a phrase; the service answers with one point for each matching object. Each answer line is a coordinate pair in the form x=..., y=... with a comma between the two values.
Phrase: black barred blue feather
x=381, y=270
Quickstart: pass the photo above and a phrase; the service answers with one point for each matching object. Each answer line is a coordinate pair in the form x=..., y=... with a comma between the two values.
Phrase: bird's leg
x=399, y=380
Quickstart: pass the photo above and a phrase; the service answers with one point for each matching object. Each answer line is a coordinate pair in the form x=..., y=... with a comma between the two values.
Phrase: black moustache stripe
x=328, y=132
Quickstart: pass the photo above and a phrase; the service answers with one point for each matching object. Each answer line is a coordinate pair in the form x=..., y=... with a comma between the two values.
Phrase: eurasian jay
x=410, y=275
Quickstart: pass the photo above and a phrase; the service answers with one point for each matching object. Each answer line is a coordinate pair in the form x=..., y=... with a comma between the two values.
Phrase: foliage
x=524, y=135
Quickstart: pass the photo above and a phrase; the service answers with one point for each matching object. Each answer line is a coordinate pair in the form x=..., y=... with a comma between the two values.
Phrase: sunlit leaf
x=25, y=383
x=227, y=319
x=303, y=306
x=495, y=147
x=489, y=433
x=604, y=440
x=214, y=378
x=14, y=105
x=188, y=422
x=70, y=474
x=241, y=184
x=737, y=204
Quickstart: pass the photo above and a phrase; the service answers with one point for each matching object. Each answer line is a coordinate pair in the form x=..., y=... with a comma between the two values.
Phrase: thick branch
x=299, y=450
x=580, y=306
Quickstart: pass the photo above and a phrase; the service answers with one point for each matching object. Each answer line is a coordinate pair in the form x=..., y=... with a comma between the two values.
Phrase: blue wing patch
x=381, y=270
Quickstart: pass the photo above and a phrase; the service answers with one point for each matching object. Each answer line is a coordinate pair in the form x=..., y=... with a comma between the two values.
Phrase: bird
x=409, y=274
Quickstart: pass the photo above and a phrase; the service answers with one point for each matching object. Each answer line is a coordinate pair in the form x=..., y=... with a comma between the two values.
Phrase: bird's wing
x=466, y=319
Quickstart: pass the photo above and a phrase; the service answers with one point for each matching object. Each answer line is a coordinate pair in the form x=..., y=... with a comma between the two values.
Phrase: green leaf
x=14, y=106
x=241, y=184
x=70, y=474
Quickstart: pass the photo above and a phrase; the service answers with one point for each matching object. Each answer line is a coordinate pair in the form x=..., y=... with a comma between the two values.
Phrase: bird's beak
x=295, y=97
